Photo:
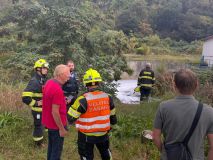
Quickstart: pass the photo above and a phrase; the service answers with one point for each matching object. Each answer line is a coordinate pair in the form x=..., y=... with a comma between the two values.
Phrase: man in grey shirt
x=174, y=118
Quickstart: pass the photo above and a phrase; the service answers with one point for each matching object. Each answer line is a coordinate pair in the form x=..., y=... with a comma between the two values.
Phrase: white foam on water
x=126, y=92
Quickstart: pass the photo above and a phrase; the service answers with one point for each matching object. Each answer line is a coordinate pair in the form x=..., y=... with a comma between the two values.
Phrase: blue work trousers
x=55, y=145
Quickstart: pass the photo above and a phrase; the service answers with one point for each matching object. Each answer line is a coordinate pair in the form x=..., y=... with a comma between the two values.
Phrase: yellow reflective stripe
x=37, y=95
x=95, y=134
x=37, y=109
x=28, y=94
x=37, y=138
x=77, y=103
x=32, y=103
x=147, y=85
x=31, y=94
x=137, y=89
x=146, y=77
x=112, y=112
x=73, y=113
x=147, y=73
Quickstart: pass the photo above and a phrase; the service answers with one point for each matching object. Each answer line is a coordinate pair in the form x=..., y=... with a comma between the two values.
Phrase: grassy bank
x=16, y=135
x=16, y=142
x=180, y=58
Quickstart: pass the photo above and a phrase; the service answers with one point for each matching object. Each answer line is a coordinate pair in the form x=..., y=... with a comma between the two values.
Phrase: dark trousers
x=55, y=145
x=38, y=128
x=86, y=145
x=145, y=93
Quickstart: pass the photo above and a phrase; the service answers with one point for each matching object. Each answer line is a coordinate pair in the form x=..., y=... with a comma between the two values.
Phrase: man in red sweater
x=54, y=111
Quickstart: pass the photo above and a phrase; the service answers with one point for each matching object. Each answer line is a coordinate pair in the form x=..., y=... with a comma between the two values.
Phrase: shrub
x=7, y=45
x=164, y=83
x=144, y=50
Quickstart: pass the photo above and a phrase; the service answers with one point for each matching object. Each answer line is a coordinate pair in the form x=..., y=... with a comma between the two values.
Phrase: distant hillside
x=100, y=32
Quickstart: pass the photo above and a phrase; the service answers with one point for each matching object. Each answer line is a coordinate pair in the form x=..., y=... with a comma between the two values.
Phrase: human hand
x=63, y=132
x=39, y=103
x=68, y=101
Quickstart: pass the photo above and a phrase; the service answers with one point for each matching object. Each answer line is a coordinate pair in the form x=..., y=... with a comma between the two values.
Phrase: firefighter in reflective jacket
x=94, y=113
x=32, y=96
x=146, y=80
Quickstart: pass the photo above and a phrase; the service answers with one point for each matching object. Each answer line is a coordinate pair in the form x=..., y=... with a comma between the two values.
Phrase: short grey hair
x=60, y=69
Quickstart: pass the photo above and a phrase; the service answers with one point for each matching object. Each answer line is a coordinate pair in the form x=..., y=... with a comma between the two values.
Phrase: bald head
x=61, y=73
x=186, y=81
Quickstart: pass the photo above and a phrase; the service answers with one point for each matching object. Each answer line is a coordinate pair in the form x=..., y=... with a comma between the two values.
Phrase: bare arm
x=57, y=118
x=157, y=138
x=210, y=153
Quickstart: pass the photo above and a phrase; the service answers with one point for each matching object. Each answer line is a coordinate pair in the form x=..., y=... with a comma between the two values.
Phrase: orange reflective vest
x=97, y=116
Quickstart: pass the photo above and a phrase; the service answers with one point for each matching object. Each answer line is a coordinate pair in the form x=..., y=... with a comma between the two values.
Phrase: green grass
x=16, y=136
x=180, y=58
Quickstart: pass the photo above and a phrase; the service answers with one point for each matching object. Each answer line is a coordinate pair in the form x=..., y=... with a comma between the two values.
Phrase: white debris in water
x=126, y=92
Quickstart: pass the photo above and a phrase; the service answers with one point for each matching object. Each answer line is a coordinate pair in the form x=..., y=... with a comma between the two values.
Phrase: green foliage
x=109, y=42
x=21, y=65
x=180, y=20
x=128, y=126
x=144, y=50
x=7, y=45
x=8, y=118
x=57, y=33
x=169, y=46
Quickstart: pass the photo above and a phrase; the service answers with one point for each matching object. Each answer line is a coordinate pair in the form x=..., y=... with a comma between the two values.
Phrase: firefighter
x=94, y=113
x=32, y=96
x=146, y=81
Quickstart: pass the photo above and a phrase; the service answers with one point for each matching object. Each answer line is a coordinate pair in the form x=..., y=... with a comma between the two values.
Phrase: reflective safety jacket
x=146, y=78
x=33, y=92
x=96, y=118
x=94, y=112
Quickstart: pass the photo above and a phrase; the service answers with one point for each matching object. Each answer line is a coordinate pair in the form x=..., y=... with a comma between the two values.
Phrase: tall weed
x=10, y=97
x=7, y=119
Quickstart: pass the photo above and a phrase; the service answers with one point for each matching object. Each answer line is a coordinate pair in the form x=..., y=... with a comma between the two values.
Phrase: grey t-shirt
x=174, y=117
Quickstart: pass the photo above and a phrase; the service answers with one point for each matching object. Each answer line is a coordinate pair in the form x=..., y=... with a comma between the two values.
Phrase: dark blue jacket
x=72, y=85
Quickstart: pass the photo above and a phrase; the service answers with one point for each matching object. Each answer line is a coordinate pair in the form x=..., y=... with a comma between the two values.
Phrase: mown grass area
x=180, y=58
x=16, y=127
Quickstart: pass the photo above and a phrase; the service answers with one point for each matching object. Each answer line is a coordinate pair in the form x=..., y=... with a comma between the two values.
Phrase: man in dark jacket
x=32, y=96
x=146, y=80
x=70, y=88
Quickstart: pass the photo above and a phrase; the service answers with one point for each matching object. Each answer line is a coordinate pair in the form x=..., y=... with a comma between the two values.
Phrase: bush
x=144, y=50
x=7, y=45
x=164, y=83
x=4, y=32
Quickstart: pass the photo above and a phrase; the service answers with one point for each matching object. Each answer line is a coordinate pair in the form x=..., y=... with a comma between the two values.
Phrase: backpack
x=180, y=150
